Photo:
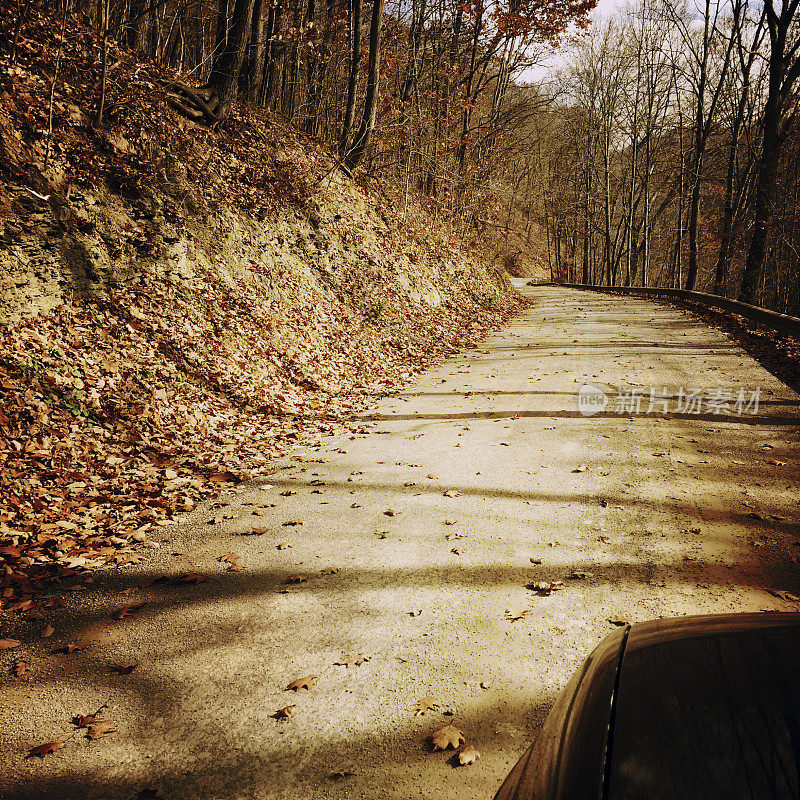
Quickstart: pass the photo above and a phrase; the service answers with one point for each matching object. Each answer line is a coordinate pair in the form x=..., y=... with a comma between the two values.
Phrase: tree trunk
x=784, y=71
x=352, y=79
x=225, y=69
x=364, y=135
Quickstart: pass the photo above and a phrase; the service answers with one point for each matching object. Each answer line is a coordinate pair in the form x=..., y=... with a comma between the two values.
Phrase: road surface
x=433, y=507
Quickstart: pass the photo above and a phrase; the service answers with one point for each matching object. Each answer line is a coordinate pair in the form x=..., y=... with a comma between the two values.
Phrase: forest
x=661, y=151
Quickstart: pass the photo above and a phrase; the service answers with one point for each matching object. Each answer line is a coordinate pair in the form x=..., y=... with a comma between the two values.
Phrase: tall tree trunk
x=784, y=71
x=352, y=77
x=253, y=66
x=225, y=69
x=364, y=135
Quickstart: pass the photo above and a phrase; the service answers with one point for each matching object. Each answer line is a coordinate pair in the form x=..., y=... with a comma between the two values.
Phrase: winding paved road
x=485, y=463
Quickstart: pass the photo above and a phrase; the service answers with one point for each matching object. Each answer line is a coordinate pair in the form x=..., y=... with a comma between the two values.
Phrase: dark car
x=680, y=709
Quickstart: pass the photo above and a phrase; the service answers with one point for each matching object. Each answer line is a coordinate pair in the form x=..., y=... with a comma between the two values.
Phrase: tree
x=783, y=71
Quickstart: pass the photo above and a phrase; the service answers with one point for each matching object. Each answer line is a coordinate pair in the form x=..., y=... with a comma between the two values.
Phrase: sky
x=605, y=8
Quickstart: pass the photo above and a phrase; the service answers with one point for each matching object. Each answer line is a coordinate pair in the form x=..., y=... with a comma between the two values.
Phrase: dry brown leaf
x=302, y=683
x=390, y=512
x=452, y=493
x=449, y=736
x=354, y=659
x=546, y=587
x=123, y=612
x=299, y=578
x=48, y=632
x=44, y=749
x=285, y=712
x=98, y=730
x=284, y=545
x=20, y=668
x=122, y=669
x=330, y=570
x=468, y=755
x=618, y=621
x=536, y=560
x=191, y=577
x=424, y=705
x=83, y=721
x=512, y=614
x=292, y=522
x=8, y=644
x=229, y=558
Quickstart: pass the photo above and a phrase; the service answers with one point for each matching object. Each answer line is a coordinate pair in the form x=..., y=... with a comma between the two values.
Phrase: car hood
x=707, y=708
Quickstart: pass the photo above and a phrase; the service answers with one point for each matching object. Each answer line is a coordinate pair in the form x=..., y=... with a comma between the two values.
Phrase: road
x=433, y=507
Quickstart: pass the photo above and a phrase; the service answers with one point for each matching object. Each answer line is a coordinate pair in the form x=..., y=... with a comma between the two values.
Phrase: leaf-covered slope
x=203, y=298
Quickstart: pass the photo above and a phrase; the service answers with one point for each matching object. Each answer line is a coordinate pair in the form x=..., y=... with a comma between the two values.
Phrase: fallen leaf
x=424, y=705
x=8, y=644
x=100, y=729
x=452, y=493
x=577, y=575
x=73, y=647
x=352, y=659
x=449, y=736
x=285, y=712
x=121, y=669
x=20, y=668
x=302, y=683
x=292, y=522
x=390, y=512
x=415, y=613
x=536, y=560
x=546, y=587
x=229, y=558
x=330, y=570
x=287, y=492
x=468, y=755
x=191, y=577
x=618, y=621
x=123, y=612
x=48, y=631
x=340, y=774
x=45, y=749
x=81, y=721
x=297, y=579
x=284, y=545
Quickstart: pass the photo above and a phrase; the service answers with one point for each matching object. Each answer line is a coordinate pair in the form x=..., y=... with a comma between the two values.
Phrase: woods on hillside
x=662, y=151
x=670, y=154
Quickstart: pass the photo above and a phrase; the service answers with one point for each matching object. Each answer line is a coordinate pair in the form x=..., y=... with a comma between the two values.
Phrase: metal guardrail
x=771, y=319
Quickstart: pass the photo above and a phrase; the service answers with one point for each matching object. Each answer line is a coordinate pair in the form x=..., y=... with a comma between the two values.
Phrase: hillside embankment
x=179, y=304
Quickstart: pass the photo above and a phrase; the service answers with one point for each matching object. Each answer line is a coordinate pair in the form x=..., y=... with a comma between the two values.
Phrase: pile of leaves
x=131, y=402
x=120, y=412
